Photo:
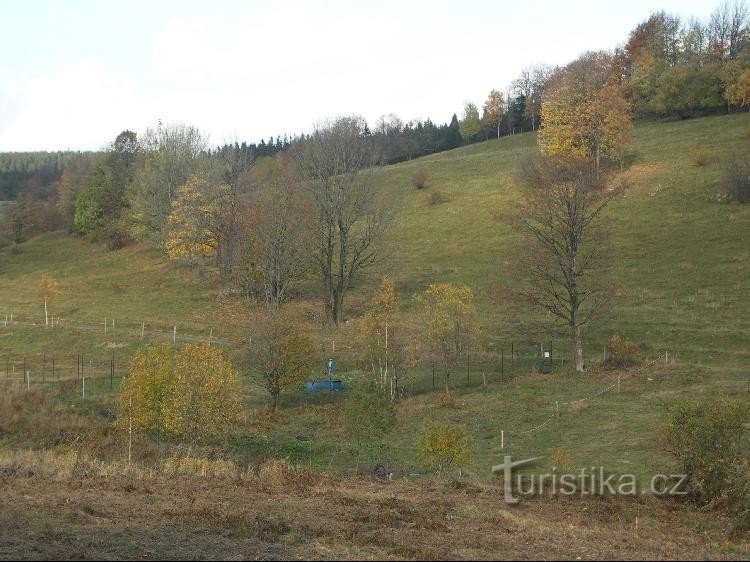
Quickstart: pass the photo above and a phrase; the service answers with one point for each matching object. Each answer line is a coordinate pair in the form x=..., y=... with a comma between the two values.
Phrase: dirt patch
x=181, y=517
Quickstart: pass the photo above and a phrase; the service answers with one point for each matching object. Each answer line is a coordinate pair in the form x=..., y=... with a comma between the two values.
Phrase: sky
x=73, y=74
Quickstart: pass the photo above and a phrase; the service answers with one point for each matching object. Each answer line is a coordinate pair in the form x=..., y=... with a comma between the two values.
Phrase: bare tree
x=566, y=245
x=280, y=232
x=337, y=164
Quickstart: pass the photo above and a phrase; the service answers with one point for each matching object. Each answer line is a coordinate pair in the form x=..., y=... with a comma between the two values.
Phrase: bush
x=621, y=352
x=704, y=159
x=445, y=400
x=437, y=197
x=444, y=447
x=737, y=180
x=708, y=440
x=419, y=179
x=191, y=393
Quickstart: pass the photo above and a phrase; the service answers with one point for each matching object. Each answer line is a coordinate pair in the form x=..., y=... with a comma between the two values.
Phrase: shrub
x=445, y=400
x=419, y=179
x=704, y=159
x=444, y=447
x=191, y=393
x=437, y=197
x=707, y=439
x=621, y=352
x=737, y=180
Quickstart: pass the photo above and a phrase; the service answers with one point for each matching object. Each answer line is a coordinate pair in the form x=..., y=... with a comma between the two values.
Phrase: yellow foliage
x=585, y=114
x=450, y=323
x=48, y=288
x=738, y=92
x=194, y=225
x=190, y=393
x=444, y=447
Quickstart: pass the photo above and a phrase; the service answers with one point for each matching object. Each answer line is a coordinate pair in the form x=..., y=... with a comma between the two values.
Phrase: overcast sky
x=74, y=74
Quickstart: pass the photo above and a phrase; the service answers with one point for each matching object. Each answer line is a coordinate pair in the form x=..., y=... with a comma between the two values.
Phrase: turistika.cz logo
x=591, y=481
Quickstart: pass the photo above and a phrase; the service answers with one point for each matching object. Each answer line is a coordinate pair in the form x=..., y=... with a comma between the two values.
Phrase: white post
x=618, y=382
x=143, y=327
x=83, y=387
x=502, y=439
x=174, y=335
x=105, y=325
x=130, y=427
x=210, y=336
x=28, y=380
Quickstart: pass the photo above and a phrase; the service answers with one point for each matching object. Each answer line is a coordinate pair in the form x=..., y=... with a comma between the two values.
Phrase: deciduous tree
x=352, y=214
x=566, y=246
x=449, y=324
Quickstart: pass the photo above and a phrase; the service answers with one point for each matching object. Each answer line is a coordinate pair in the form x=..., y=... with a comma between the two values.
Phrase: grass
x=680, y=259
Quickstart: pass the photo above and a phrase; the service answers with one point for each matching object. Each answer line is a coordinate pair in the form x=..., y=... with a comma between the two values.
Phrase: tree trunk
x=577, y=347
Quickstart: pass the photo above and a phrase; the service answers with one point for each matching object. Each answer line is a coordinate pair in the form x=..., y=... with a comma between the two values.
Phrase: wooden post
x=210, y=337
x=502, y=364
x=143, y=327
x=53, y=367
x=112, y=371
x=511, y=355
x=130, y=427
x=44, y=367
x=618, y=382
x=105, y=325
x=467, y=367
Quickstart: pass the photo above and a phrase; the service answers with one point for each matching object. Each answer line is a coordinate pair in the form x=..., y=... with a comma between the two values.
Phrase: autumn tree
x=565, y=244
x=47, y=291
x=351, y=213
x=492, y=111
x=169, y=155
x=449, y=324
x=385, y=338
x=530, y=87
x=191, y=393
x=470, y=125
x=282, y=352
x=737, y=91
x=279, y=230
x=195, y=227
x=23, y=219
x=584, y=113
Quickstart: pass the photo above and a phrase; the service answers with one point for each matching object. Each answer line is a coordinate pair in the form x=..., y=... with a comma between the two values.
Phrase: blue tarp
x=329, y=385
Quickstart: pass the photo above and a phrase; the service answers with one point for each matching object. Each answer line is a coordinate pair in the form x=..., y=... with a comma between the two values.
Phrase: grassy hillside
x=680, y=259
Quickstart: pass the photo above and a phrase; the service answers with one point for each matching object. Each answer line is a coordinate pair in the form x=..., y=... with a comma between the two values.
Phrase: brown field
x=64, y=507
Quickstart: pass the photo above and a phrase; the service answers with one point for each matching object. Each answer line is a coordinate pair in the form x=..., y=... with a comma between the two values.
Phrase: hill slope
x=681, y=261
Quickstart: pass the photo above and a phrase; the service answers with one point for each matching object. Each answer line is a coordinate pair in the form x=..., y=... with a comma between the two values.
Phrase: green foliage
x=368, y=417
x=444, y=447
x=470, y=125
x=88, y=211
x=708, y=438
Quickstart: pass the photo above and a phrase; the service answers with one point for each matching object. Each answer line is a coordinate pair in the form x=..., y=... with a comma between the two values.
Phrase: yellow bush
x=191, y=393
x=621, y=352
x=444, y=447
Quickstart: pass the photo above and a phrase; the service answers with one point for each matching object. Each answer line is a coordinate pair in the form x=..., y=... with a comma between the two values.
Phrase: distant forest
x=667, y=68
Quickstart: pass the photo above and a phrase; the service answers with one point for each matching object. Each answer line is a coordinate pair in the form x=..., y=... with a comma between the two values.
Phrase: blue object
x=329, y=385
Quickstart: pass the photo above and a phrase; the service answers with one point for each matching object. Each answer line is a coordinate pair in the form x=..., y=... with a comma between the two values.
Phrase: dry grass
x=62, y=506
